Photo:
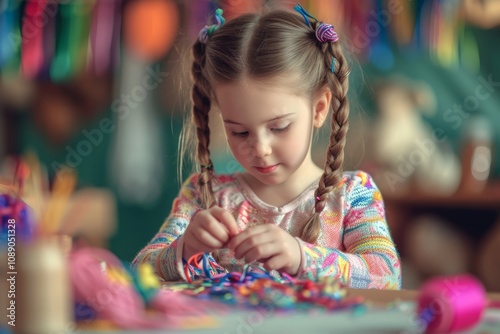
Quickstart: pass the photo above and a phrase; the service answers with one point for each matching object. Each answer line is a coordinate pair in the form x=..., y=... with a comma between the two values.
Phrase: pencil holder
x=16, y=226
x=44, y=303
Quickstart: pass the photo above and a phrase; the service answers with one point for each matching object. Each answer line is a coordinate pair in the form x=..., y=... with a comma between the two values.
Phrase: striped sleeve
x=370, y=259
x=164, y=251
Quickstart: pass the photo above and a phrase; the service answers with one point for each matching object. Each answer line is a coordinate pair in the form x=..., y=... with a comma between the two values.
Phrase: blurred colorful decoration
x=61, y=64
x=23, y=205
x=443, y=30
x=440, y=30
x=199, y=15
x=331, y=12
x=150, y=27
x=72, y=41
x=38, y=213
x=483, y=13
x=380, y=53
x=16, y=217
x=134, y=299
x=32, y=47
x=234, y=8
x=69, y=36
x=403, y=24
x=57, y=40
x=104, y=36
x=10, y=36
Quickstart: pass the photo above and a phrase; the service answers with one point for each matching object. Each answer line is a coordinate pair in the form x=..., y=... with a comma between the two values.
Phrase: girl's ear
x=321, y=106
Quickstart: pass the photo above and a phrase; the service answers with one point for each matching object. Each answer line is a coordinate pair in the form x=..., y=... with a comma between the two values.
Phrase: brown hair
x=265, y=47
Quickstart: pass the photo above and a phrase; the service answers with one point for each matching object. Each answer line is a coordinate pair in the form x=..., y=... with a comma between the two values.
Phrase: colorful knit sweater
x=354, y=244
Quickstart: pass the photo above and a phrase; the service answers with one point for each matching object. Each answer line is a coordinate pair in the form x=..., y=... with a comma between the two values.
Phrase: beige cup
x=43, y=295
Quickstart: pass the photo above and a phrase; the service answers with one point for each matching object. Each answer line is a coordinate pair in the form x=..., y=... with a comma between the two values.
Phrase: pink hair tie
x=326, y=33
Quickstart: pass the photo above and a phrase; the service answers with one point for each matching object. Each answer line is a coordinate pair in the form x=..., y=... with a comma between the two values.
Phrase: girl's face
x=269, y=130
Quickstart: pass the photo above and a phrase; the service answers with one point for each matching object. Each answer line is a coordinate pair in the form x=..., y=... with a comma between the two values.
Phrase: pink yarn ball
x=449, y=304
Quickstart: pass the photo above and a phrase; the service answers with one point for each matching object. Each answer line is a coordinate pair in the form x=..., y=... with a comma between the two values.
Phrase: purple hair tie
x=326, y=33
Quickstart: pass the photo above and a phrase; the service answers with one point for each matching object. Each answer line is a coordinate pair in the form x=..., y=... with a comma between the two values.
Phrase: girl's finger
x=215, y=228
x=226, y=219
x=252, y=242
x=207, y=239
x=261, y=251
x=248, y=233
x=276, y=262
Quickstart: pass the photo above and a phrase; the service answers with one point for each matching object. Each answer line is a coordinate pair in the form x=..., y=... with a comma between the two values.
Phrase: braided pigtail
x=337, y=73
x=201, y=105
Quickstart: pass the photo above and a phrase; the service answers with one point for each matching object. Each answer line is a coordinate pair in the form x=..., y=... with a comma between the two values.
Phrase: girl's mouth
x=266, y=170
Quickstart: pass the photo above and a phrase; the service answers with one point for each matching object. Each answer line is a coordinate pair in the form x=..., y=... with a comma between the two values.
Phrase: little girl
x=275, y=77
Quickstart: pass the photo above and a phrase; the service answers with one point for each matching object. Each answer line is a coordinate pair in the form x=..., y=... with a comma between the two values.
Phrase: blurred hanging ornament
x=403, y=23
x=32, y=29
x=333, y=12
x=81, y=17
x=137, y=167
x=60, y=68
x=379, y=51
x=105, y=27
x=10, y=37
x=469, y=52
x=150, y=27
x=233, y=8
x=199, y=12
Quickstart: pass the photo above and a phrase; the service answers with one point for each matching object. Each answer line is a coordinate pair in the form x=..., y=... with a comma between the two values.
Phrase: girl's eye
x=281, y=130
x=239, y=134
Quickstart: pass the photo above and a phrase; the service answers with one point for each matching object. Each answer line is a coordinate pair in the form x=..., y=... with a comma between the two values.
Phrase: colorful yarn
x=209, y=30
x=201, y=265
x=325, y=33
x=101, y=284
x=256, y=287
x=451, y=304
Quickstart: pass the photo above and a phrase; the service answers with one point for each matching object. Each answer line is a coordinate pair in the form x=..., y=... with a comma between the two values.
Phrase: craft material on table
x=444, y=305
x=256, y=287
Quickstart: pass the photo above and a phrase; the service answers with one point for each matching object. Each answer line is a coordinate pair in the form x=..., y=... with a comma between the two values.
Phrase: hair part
x=266, y=47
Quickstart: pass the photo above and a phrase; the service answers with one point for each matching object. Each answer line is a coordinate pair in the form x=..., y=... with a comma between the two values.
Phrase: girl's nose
x=261, y=148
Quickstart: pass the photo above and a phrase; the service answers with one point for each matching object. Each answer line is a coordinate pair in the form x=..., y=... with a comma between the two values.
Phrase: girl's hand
x=268, y=244
x=209, y=230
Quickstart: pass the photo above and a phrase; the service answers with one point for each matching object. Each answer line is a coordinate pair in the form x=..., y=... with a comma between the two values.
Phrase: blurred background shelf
x=489, y=198
x=446, y=235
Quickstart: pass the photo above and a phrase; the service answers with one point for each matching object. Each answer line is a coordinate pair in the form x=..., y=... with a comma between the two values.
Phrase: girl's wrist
x=187, y=252
x=298, y=258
